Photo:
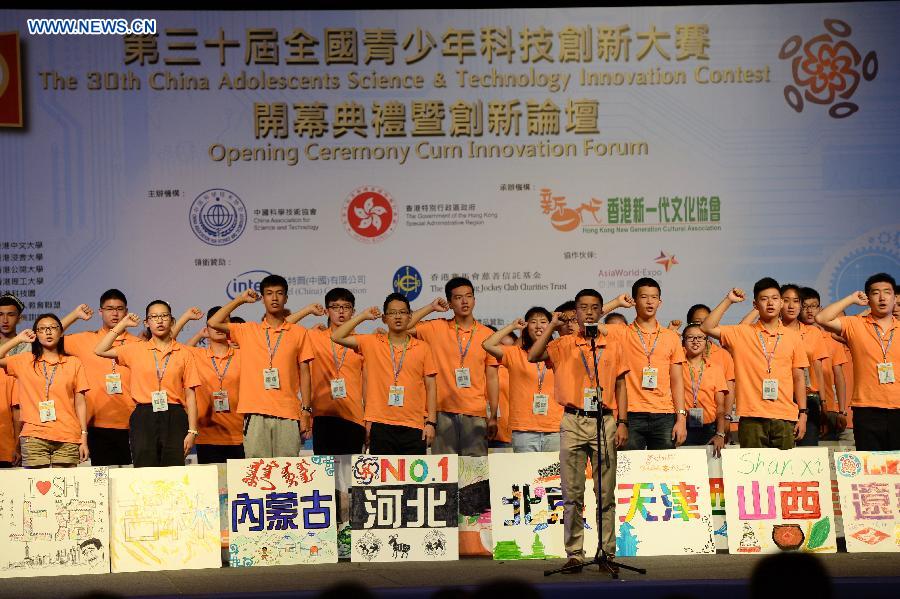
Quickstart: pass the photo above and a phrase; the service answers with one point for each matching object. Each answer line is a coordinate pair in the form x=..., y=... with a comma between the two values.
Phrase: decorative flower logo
x=829, y=69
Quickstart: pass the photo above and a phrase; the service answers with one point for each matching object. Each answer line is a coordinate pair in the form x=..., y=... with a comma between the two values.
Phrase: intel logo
x=244, y=281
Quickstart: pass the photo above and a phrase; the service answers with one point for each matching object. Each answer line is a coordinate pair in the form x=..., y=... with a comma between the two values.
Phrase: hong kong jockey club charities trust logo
x=369, y=214
x=828, y=69
x=408, y=281
x=218, y=217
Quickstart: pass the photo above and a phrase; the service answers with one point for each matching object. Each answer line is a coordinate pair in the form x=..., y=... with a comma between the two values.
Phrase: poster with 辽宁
x=474, y=506
x=54, y=521
x=778, y=500
x=404, y=508
x=282, y=511
x=869, y=488
x=164, y=518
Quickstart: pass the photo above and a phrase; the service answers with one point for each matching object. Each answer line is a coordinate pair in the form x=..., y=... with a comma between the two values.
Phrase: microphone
x=590, y=330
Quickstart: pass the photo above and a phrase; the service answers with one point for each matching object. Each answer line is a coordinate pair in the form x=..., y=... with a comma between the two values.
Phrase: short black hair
x=614, y=316
x=808, y=293
x=212, y=311
x=273, y=281
x=158, y=302
x=455, y=283
x=791, y=287
x=340, y=294
x=690, y=325
x=236, y=320
x=693, y=310
x=763, y=284
x=527, y=341
x=644, y=282
x=113, y=294
x=395, y=297
x=568, y=306
x=588, y=293
x=881, y=277
x=8, y=299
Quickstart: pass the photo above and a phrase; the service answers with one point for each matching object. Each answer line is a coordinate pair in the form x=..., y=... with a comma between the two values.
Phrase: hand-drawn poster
x=222, y=474
x=527, y=507
x=717, y=499
x=662, y=503
x=282, y=511
x=54, y=521
x=778, y=500
x=869, y=486
x=164, y=518
x=474, y=506
x=404, y=508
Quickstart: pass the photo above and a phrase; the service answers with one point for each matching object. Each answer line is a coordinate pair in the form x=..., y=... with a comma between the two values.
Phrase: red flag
x=10, y=80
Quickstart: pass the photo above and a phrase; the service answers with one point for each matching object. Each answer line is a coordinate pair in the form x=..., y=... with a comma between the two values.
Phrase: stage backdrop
x=536, y=151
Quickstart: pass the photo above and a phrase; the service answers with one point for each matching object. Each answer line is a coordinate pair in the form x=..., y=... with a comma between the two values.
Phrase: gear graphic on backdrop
x=847, y=270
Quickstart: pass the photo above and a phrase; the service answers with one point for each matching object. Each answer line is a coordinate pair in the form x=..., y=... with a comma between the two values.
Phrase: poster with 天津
x=474, y=506
x=404, y=508
x=54, y=521
x=717, y=499
x=869, y=487
x=282, y=511
x=164, y=518
x=778, y=500
x=527, y=507
x=663, y=503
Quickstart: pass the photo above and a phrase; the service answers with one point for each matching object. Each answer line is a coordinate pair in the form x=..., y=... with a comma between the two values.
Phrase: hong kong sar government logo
x=369, y=214
x=218, y=217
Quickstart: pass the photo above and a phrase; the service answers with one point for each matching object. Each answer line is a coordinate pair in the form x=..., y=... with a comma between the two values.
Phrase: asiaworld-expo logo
x=218, y=217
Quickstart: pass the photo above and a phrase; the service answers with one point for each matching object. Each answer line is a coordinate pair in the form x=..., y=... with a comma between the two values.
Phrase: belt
x=593, y=414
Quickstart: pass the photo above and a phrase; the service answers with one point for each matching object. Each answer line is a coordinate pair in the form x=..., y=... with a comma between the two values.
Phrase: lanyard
x=269, y=346
x=49, y=381
x=464, y=353
x=766, y=353
x=644, y=345
x=394, y=366
x=587, y=368
x=695, y=386
x=160, y=375
x=113, y=360
x=337, y=365
x=884, y=348
x=542, y=372
x=221, y=376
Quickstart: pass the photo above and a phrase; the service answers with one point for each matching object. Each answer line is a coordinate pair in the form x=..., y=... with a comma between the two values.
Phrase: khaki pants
x=270, y=437
x=460, y=434
x=578, y=442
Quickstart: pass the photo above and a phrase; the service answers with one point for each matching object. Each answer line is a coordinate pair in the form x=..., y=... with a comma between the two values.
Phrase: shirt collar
x=758, y=325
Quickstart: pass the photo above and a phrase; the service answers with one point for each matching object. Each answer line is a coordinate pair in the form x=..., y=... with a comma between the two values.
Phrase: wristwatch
x=720, y=434
x=729, y=418
x=193, y=432
x=306, y=409
x=682, y=412
x=434, y=424
x=803, y=411
x=622, y=421
x=843, y=413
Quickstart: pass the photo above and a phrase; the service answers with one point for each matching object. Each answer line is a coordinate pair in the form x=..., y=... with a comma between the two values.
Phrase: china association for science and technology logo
x=369, y=214
x=244, y=281
x=407, y=281
x=218, y=217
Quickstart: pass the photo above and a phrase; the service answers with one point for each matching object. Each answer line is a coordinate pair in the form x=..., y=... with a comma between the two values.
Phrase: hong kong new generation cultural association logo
x=369, y=214
x=218, y=217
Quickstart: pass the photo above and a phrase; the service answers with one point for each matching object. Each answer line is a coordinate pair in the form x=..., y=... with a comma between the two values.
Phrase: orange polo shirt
x=69, y=379
x=815, y=350
x=722, y=358
x=330, y=356
x=441, y=335
x=218, y=428
x=504, y=424
x=523, y=384
x=742, y=341
x=417, y=364
x=849, y=380
x=570, y=376
x=103, y=410
x=180, y=373
x=668, y=351
x=866, y=352
x=7, y=430
x=837, y=356
x=711, y=381
x=293, y=350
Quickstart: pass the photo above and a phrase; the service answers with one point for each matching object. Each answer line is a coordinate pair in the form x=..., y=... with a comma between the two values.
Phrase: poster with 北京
x=869, y=488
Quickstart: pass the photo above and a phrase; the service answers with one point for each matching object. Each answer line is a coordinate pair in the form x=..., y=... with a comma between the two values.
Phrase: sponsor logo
x=408, y=281
x=666, y=261
x=244, y=281
x=218, y=217
x=369, y=214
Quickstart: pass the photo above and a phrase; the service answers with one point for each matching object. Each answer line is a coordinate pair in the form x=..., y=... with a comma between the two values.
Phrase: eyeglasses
x=111, y=309
x=49, y=329
x=567, y=320
x=340, y=308
x=397, y=313
x=691, y=338
x=159, y=317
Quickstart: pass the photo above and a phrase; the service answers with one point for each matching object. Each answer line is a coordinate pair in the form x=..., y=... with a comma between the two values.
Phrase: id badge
x=590, y=399
x=220, y=401
x=649, y=377
x=270, y=379
x=770, y=389
x=160, y=401
x=695, y=417
x=395, y=396
x=113, y=383
x=338, y=389
x=48, y=410
x=539, y=404
x=463, y=379
x=885, y=373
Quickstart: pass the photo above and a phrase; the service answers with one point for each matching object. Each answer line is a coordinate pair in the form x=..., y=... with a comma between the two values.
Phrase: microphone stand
x=601, y=559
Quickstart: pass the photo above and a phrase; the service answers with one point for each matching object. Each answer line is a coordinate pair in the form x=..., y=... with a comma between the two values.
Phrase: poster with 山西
x=404, y=508
x=54, y=522
x=778, y=500
x=663, y=503
x=869, y=488
x=282, y=511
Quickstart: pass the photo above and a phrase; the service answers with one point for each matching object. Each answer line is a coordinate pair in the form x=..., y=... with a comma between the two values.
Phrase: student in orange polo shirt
x=468, y=381
x=163, y=424
x=704, y=392
x=569, y=323
x=109, y=402
x=769, y=359
x=11, y=309
x=615, y=318
x=51, y=396
x=876, y=360
x=275, y=357
x=696, y=314
x=654, y=356
x=401, y=393
x=577, y=388
x=9, y=439
x=533, y=412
